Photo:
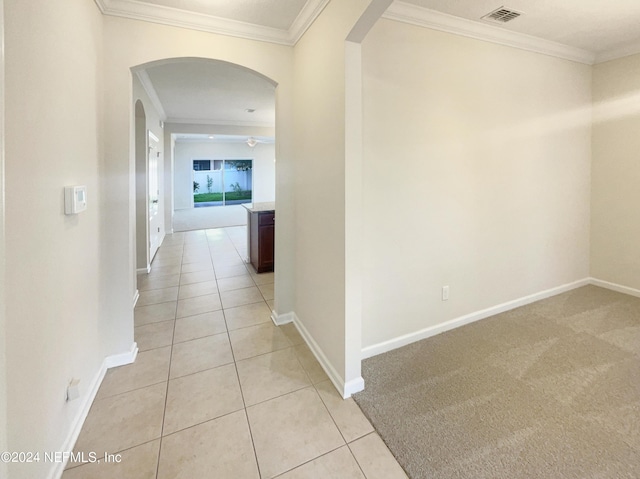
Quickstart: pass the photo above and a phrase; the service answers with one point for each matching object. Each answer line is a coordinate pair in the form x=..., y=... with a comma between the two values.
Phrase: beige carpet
x=549, y=390
x=207, y=218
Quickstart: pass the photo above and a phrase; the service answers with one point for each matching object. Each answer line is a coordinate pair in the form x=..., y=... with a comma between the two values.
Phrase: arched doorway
x=212, y=113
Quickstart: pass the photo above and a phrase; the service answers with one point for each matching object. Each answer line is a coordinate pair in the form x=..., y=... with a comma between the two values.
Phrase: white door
x=154, y=196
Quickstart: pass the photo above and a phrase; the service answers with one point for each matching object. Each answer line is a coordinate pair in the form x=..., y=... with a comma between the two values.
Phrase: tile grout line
x=235, y=361
x=315, y=387
x=311, y=460
x=244, y=402
x=354, y=456
x=166, y=397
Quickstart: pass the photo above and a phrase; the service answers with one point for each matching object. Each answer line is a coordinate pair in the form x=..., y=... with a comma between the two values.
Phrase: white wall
x=70, y=280
x=319, y=132
x=264, y=171
x=53, y=138
x=615, y=214
x=476, y=176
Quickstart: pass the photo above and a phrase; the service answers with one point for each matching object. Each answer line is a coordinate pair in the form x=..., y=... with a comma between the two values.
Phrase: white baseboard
x=57, y=468
x=345, y=389
x=615, y=287
x=403, y=340
x=122, y=359
x=136, y=297
x=280, y=319
x=354, y=386
x=146, y=270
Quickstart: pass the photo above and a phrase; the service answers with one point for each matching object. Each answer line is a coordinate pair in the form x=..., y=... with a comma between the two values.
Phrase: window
x=230, y=182
x=201, y=165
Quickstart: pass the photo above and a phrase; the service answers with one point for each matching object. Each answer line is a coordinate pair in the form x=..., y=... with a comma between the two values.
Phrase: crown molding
x=176, y=17
x=143, y=76
x=194, y=121
x=625, y=51
x=311, y=10
x=101, y=5
x=414, y=15
x=398, y=11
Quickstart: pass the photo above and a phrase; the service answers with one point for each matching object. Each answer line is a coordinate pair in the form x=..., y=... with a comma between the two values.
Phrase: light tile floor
x=217, y=391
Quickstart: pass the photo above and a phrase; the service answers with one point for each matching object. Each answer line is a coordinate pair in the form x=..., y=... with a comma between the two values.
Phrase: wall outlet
x=445, y=293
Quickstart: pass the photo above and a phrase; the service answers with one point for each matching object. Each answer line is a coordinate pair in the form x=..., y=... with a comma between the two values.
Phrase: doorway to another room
x=216, y=176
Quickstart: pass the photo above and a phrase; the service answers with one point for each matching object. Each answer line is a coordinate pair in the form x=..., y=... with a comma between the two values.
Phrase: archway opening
x=142, y=225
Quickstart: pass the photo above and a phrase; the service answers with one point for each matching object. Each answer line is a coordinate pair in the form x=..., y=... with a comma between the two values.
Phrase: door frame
x=152, y=198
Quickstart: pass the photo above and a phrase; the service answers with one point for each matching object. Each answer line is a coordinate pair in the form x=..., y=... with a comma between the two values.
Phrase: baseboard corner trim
x=427, y=332
x=328, y=368
x=280, y=319
x=136, y=297
x=354, y=386
x=146, y=270
x=615, y=287
x=122, y=359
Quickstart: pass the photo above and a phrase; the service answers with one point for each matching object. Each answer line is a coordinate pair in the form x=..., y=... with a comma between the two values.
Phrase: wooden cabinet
x=262, y=226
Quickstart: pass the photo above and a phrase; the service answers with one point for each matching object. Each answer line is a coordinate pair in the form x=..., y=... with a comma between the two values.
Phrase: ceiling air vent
x=501, y=15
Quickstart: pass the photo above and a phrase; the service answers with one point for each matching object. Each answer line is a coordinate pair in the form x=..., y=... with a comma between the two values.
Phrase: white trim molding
x=406, y=339
x=311, y=10
x=398, y=11
x=423, y=17
x=137, y=10
x=147, y=85
x=176, y=17
x=280, y=319
x=615, y=287
x=346, y=389
x=122, y=359
x=146, y=270
x=109, y=362
x=354, y=386
x=69, y=443
x=136, y=297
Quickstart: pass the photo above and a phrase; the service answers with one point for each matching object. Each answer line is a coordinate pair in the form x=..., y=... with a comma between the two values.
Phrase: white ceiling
x=587, y=31
x=278, y=14
x=597, y=26
x=277, y=21
x=596, y=30
x=211, y=92
x=200, y=138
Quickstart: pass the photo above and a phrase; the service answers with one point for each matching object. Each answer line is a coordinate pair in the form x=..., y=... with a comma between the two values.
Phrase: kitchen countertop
x=259, y=207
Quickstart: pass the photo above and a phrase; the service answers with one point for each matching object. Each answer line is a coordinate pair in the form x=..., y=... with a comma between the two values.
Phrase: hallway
x=218, y=391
